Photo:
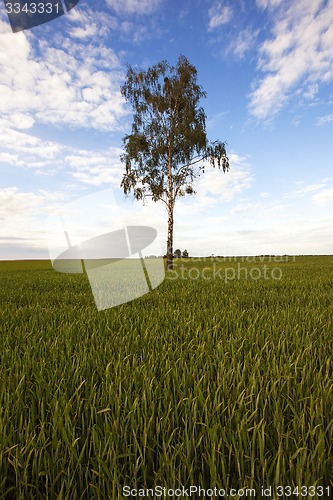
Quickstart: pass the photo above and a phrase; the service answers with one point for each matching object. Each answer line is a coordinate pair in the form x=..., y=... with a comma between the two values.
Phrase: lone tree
x=168, y=145
x=177, y=253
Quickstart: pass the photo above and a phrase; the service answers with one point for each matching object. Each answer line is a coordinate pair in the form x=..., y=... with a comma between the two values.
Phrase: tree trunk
x=170, y=236
x=171, y=204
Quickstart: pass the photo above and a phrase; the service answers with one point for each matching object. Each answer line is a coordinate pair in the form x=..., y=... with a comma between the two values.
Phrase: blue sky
x=267, y=68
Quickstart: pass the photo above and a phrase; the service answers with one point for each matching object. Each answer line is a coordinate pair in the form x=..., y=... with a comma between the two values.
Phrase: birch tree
x=167, y=148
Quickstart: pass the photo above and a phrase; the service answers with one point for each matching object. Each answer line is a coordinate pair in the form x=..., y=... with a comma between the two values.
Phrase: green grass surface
x=205, y=381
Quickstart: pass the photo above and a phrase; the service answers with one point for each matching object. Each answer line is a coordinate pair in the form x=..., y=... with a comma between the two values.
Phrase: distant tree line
x=178, y=254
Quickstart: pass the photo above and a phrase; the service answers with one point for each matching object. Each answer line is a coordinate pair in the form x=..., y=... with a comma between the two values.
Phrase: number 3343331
x=32, y=8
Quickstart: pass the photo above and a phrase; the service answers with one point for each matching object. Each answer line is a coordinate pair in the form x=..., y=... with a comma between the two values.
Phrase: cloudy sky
x=267, y=68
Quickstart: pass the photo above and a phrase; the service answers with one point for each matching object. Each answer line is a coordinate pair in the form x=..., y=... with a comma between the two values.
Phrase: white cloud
x=10, y=159
x=224, y=185
x=219, y=14
x=89, y=25
x=85, y=23
x=246, y=207
x=40, y=83
x=323, y=120
x=14, y=202
x=300, y=49
x=96, y=168
x=312, y=91
x=21, y=149
x=22, y=215
x=89, y=167
x=263, y=4
x=323, y=197
x=133, y=6
x=305, y=190
x=22, y=121
x=323, y=193
x=244, y=42
x=85, y=32
x=261, y=211
x=215, y=186
x=216, y=118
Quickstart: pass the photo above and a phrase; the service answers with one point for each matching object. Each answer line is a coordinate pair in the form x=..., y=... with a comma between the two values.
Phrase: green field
x=217, y=378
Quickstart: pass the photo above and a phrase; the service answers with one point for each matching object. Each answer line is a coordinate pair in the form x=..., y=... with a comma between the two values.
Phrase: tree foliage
x=177, y=253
